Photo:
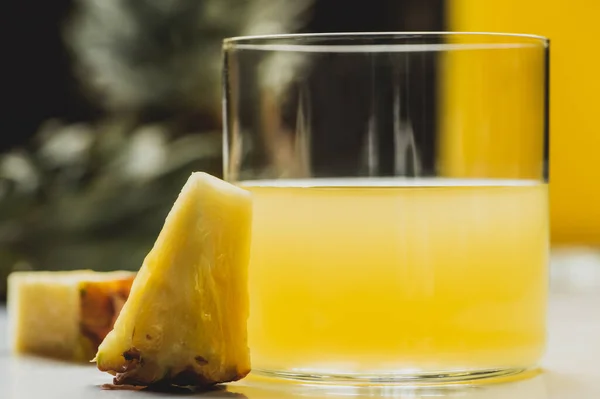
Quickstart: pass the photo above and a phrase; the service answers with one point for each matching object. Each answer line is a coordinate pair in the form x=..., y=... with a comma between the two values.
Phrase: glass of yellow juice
x=386, y=247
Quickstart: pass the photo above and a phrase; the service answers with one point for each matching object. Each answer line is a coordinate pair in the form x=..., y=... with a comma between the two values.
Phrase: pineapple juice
x=401, y=276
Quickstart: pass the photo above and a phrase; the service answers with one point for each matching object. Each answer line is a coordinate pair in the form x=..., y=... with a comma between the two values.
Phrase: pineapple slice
x=185, y=320
x=64, y=315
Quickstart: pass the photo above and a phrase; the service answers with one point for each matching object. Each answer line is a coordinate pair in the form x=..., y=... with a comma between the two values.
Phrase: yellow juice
x=397, y=276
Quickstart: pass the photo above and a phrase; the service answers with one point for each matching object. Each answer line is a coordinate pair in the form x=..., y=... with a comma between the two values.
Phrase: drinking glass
x=399, y=181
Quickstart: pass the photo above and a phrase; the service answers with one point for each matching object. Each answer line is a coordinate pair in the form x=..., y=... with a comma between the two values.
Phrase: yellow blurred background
x=573, y=28
x=493, y=102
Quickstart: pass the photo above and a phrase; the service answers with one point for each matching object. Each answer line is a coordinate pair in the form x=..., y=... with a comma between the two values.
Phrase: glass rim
x=305, y=41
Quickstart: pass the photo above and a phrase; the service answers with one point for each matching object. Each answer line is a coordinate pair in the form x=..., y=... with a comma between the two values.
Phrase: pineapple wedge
x=64, y=315
x=185, y=320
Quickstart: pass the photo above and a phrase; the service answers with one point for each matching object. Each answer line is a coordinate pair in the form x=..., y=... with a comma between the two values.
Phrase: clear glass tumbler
x=400, y=202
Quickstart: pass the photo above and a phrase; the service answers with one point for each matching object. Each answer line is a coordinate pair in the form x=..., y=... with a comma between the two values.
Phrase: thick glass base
x=492, y=384
x=398, y=378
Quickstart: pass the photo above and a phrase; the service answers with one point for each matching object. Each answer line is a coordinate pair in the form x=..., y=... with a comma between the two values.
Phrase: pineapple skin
x=47, y=315
x=185, y=320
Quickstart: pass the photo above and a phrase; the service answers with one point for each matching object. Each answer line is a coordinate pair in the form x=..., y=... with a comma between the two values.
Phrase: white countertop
x=570, y=368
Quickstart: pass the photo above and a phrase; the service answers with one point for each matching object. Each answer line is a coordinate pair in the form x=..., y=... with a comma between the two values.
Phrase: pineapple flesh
x=64, y=315
x=185, y=320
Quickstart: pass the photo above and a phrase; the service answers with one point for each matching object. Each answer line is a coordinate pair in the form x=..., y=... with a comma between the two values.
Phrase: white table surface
x=570, y=368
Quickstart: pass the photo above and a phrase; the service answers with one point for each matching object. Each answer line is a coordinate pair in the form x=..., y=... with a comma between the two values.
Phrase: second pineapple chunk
x=64, y=314
x=185, y=320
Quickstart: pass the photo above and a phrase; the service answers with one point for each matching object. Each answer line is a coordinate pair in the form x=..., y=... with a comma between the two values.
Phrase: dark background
x=38, y=80
x=86, y=210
